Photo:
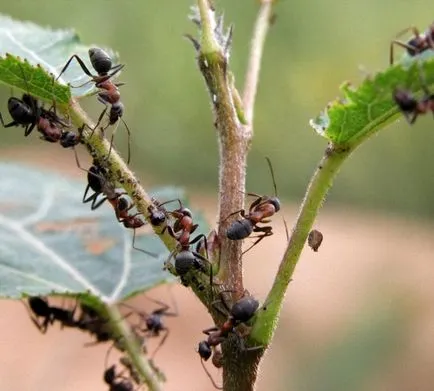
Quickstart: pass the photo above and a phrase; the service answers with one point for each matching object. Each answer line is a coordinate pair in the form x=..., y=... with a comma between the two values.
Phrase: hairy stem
x=121, y=327
x=319, y=185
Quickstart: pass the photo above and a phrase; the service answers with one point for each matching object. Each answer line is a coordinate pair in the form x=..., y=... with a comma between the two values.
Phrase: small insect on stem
x=259, y=212
x=108, y=94
x=416, y=45
x=314, y=239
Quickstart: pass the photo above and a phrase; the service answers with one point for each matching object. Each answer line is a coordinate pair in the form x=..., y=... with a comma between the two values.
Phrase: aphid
x=416, y=45
x=259, y=212
x=108, y=94
x=314, y=239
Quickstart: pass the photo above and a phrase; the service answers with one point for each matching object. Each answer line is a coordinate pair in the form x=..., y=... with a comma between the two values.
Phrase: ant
x=109, y=92
x=117, y=382
x=182, y=228
x=259, y=211
x=242, y=311
x=411, y=107
x=154, y=322
x=27, y=113
x=39, y=308
x=416, y=45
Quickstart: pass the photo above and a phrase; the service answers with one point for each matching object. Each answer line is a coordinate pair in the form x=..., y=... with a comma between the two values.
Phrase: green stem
x=120, y=327
x=322, y=180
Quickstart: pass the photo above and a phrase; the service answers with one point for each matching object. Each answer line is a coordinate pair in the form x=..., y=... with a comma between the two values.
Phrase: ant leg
x=402, y=44
x=242, y=212
x=42, y=327
x=215, y=385
x=96, y=205
x=13, y=123
x=129, y=140
x=160, y=344
x=267, y=231
x=29, y=130
x=139, y=249
x=210, y=330
x=80, y=62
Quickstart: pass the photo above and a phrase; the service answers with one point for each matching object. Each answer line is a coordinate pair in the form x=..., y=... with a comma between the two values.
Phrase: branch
x=120, y=327
x=319, y=185
x=254, y=65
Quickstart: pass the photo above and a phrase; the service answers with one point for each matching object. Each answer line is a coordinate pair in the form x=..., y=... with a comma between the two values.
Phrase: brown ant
x=416, y=45
x=410, y=106
x=183, y=227
x=39, y=308
x=109, y=93
x=242, y=311
x=26, y=112
x=259, y=211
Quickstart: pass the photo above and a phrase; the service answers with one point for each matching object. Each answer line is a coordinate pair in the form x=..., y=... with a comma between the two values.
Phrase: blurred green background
x=311, y=50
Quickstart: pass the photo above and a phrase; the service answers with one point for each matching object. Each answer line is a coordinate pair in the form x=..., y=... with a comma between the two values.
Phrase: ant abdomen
x=184, y=262
x=239, y=229
x=100, y=60
x=20, y=111
x=204, y=350
x=244, y=309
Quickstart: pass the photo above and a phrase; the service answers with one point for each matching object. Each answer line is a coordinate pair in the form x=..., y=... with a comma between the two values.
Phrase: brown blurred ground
x=365, y=259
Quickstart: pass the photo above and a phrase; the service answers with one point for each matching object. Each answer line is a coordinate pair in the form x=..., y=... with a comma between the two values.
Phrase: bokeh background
x=359, y=313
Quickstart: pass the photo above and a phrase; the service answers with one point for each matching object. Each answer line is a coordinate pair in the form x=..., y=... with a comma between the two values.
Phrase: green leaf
x=51, y=243
x=48, y=48
x=32, y=79
x=370, y=107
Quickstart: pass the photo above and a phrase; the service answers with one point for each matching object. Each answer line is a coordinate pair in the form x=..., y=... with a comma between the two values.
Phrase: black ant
x=416, y=45
x=39, y=308
x=259, y=211
x=154, y=322
x=410, y=106
x=109, y=93
x=117, y=382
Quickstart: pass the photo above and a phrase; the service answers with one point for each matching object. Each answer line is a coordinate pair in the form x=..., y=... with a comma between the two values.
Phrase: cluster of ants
x=178, y=223
x=408, y=104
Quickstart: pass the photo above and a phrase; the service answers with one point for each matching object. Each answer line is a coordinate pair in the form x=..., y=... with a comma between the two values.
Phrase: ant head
x=116, y=111
x=110, y=375
x=157, y=216
x=69, y=139
x=404, y=99
x=185, y=212
x=275, y=202
x=123, y=203
x=96, y=178
x=100, y=60
x=415, y=45
x=204, y=350
x=244, y=309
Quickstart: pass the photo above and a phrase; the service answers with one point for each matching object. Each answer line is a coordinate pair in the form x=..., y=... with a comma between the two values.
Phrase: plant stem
x=254, y=65
x=120, y=327
x=322, y=180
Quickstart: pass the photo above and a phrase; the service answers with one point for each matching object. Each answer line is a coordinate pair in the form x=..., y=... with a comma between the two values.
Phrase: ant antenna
x=209, y=376
x=275, y=193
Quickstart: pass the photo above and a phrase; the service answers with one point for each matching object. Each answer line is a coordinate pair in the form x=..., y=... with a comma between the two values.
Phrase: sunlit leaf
x=50, y=242
x=48, y=48
x=366, y=109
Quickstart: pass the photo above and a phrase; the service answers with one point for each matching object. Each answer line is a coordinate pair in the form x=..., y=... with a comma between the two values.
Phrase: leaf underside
x=50, y=49
x=52, y=243
x=364, y=110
